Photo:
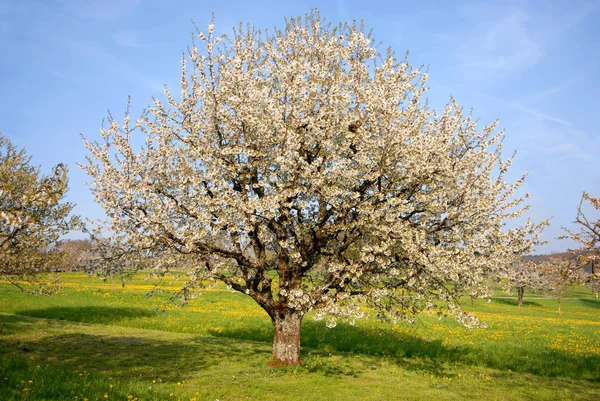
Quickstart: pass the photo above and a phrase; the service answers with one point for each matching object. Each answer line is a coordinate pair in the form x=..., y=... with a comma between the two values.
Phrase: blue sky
x=535, y=65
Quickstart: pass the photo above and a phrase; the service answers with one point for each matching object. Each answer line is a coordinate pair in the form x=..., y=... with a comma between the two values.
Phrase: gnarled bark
x=286, y=344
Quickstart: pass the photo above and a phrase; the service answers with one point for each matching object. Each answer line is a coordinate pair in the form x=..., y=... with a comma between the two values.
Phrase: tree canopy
x=303, y=168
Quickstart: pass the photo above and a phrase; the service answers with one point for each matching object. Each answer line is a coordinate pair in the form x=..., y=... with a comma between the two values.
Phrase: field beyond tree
x=98, y=340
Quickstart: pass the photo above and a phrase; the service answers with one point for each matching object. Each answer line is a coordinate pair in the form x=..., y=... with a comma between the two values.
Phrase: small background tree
x=33, y=216
x=73, y=253
x=557, y=275
x=483, y=286
x=303, y=168
x=588, y=238
x=594, y=285
x=524, y=275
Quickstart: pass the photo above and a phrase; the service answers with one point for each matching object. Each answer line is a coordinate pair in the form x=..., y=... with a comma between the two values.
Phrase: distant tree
x=303, y=168
x=524, y=275
x=557, y=274
x=594, y=285
x=481, y=287
x=484, y=291
x=73, y=253
x=588, y=236
x=115, y=261
x=33, y=216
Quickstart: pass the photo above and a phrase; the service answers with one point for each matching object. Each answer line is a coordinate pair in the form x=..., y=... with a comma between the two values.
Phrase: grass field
x=98, y=341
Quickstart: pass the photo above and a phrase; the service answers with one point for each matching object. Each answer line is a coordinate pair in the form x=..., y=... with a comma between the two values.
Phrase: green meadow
x=98, y=340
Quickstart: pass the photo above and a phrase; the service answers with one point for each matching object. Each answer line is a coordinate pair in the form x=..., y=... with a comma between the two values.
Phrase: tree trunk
x=286, y=344
x=473, y=298
x=559, y=311
x=520, y=292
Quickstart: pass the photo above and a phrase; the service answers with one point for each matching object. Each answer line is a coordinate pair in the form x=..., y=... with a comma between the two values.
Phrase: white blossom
x=303, y=168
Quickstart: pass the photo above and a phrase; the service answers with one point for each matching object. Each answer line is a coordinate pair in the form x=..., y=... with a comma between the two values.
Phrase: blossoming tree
x=303, y=168
x=32, y=217
x=523, y=275
x=557, y=274
x=588, y=237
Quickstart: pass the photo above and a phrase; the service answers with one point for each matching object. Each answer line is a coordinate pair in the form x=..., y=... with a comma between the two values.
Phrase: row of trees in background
x=303, y=169
x=580, y=265
x=555, y=273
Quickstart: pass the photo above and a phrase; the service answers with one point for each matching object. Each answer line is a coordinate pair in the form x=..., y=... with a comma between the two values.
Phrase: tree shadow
x=13, y=324
x=88, y=314
x=417, y=353
x=410, y=351
x=592, y=303
x=515, y=302
x=124, y=356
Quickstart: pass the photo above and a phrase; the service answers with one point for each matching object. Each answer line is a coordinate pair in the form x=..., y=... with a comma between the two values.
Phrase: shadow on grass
x=148, y=356
x=88, y=314
x=592, y=303
x=431, y=355
x=514, y=302
x=161, y=357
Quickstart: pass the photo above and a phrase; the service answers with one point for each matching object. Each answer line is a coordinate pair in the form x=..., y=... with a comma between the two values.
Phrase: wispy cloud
x=506, y=46
x=535, y=113
x=128, y=39
x=564, y=149
x=102, y=10
x=118, y=67
x=547, y=134
x=516, y=105
x=553, y=90
x=498, y=42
